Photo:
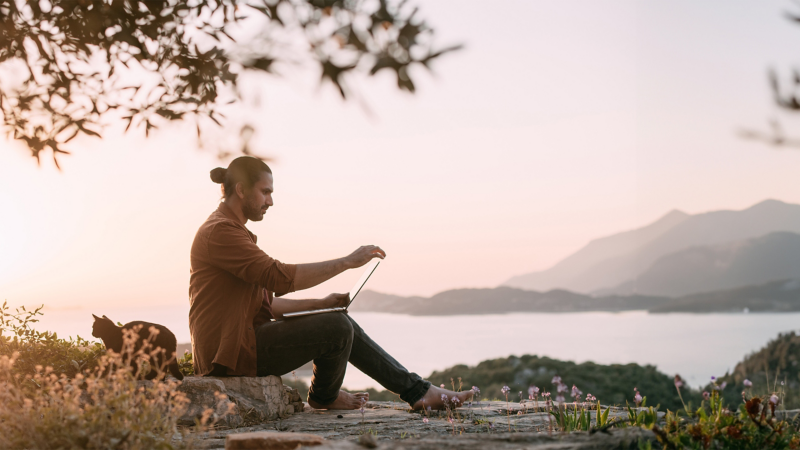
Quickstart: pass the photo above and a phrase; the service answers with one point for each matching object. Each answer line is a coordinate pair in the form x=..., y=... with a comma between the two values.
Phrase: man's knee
x=336, y=324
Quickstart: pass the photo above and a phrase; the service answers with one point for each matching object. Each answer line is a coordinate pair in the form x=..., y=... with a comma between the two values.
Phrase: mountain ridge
x=773, y=296
x=499, y=300
x=676, y=233
x=723, y=266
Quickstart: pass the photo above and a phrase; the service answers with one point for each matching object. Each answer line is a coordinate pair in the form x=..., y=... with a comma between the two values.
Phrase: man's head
x=246, y=184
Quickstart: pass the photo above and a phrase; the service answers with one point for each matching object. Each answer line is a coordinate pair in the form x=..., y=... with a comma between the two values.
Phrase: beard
x=252, y=211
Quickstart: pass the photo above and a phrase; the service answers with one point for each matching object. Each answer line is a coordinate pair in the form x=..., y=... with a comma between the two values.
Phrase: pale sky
x=558, y=123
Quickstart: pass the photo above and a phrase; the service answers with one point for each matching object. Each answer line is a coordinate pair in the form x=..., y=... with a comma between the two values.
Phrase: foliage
x=100, y=408
x=774, y=368
x=610, y=383
x=754, y=427
x=574, y=421
x=601, y=417
x=68, y=63
x=186, y=364
x=43, y=348
x=641, y=417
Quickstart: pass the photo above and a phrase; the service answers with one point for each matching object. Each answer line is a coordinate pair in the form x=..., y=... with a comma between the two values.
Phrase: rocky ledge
x=256, y=399
x=389, y=425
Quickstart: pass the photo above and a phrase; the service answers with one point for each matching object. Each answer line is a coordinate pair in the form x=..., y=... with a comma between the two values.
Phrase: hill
x=611, y=384
x=499, y=300
x=609, y=262
x=774, y=368
x=775, y=296
x=710, y=268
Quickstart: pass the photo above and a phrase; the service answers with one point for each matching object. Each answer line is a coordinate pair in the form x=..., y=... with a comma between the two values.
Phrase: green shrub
x=612, y=384
x=97, y=405
x=43, y=348
x=753, y=427
x=773, y=368
x=186, y=364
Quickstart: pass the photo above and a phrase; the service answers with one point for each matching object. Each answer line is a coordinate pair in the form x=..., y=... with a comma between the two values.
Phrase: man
x=235, y=291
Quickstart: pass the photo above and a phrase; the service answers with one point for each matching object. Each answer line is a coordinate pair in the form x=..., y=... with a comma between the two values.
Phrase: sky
x=559, y=122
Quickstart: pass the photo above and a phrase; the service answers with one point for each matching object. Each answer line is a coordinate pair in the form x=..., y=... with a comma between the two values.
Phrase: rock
x=270, y=440
x=368, y=441
x=255, y=399
x=261, y=399
x=207, y=393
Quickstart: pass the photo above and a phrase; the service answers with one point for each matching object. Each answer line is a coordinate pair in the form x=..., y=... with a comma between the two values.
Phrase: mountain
x=609, y=262
x=566, y=272
x=724, y=266
x=781, y=295
x=499, y=300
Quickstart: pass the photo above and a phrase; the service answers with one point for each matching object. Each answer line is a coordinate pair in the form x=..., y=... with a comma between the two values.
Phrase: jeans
x=331, y=340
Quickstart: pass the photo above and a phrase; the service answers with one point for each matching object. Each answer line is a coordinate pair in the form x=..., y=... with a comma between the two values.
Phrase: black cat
x=111, y=334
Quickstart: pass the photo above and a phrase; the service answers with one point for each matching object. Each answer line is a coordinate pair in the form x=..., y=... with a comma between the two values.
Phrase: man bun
x=246, y=170
x=218, y=175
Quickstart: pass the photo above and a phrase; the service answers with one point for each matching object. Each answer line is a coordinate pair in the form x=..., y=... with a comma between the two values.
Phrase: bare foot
x=345, y=400
x=433, y=398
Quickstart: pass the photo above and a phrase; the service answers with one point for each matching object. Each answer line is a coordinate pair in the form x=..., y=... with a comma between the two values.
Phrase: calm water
x=696, y=346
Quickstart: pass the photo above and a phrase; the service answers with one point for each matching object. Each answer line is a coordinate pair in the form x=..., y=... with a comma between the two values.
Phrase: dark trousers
x=331, y=340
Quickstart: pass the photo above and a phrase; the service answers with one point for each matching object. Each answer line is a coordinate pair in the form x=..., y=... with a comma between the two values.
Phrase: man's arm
x=310, y=275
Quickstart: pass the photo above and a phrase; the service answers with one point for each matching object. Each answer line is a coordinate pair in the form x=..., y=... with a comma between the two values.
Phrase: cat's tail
x=175, y=370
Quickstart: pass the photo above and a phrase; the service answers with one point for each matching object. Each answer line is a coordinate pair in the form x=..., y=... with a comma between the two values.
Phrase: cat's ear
x=95, y=317
x=104, y=317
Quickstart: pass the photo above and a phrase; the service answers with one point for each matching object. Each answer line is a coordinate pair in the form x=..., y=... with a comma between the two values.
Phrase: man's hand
x=336, y=300
x=363, y=255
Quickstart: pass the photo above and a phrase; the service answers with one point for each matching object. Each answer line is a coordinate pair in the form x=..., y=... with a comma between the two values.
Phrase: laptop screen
x=371, y=266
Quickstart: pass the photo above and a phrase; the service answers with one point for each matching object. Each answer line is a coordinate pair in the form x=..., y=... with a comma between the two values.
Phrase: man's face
x=258, y=198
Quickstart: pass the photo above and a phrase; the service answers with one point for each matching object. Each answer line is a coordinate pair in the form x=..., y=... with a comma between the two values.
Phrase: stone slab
x=270, y=440
x=482, y=426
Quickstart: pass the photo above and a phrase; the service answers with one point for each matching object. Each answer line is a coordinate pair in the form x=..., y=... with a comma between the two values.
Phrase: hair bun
x=218, y=175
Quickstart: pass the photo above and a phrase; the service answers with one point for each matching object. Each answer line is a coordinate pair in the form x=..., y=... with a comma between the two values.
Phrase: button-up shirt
x=231, y=290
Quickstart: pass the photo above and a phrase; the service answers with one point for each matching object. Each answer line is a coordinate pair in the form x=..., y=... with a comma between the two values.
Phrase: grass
x=57, y=393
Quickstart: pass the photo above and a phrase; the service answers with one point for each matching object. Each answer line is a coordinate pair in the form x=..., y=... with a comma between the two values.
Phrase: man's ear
x=240, y=190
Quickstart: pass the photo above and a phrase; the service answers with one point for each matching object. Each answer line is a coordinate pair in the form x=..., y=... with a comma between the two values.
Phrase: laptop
x=371, y=266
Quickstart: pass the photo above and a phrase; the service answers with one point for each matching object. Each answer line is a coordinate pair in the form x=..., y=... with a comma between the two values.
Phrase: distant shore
x=775, y=296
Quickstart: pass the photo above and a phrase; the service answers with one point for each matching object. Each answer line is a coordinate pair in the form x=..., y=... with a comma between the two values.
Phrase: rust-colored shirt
x=230, y=289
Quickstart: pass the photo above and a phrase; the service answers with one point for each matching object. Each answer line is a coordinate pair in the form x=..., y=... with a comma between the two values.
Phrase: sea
x=696, y=346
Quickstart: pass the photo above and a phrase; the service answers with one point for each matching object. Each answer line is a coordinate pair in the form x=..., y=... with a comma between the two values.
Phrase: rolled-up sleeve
x=231, y=249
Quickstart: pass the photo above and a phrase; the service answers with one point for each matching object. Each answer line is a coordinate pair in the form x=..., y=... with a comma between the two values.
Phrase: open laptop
x=371, y=266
